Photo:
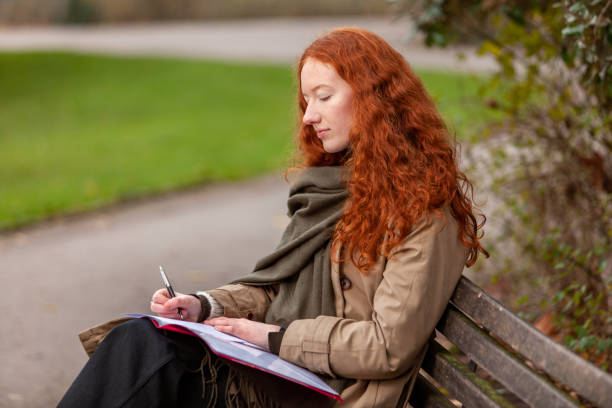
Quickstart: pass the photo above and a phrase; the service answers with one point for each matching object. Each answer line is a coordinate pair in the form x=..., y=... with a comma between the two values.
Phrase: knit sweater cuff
x=209, y=307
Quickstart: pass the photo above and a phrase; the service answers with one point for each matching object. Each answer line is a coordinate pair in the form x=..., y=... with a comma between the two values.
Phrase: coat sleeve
x=246, y=301
x=418, y=280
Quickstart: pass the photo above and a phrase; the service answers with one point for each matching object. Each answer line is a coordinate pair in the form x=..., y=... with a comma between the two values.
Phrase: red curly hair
x=401, y=158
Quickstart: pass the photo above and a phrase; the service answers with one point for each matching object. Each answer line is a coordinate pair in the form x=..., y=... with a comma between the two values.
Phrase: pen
x=169, y=287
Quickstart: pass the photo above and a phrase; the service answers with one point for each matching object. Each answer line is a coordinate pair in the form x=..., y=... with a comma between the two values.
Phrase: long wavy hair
x=401, y=158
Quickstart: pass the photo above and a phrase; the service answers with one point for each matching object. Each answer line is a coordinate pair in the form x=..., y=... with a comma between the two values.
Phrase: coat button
x=345, y=283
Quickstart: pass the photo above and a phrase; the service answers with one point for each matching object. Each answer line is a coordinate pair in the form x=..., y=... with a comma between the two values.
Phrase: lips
x=322, y=132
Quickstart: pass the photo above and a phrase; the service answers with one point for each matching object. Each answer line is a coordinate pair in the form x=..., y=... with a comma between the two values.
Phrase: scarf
x=301, y=264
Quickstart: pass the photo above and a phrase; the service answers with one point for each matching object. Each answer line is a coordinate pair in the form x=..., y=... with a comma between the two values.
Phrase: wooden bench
x=488, y=336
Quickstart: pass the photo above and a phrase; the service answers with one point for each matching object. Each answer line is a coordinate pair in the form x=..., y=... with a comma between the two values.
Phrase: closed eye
x=324, y=98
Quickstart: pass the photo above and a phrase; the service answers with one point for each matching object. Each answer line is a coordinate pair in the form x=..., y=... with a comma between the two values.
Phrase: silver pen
x=169, y=287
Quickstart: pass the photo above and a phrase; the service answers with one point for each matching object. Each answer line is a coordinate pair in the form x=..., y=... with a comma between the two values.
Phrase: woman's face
x=329, y=100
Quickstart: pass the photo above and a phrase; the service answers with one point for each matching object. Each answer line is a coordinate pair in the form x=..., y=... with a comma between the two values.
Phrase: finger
x=157, y=308
x=164, y=308
x=160, y=296
x=163, y=292
x=160, y=308
x=170, y=312
x=220, y=320
x=182, y=302
x=224, y=329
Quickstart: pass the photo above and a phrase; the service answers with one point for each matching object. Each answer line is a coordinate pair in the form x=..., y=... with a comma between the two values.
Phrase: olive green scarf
x=301, y=263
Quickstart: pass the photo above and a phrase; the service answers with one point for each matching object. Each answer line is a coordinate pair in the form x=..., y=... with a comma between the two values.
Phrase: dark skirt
x=138, y=365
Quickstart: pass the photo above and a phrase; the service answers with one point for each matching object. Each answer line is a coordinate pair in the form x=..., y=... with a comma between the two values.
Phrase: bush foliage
x=548, y=162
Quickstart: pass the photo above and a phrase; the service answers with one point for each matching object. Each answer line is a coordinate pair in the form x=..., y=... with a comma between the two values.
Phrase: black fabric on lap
x=138, y=365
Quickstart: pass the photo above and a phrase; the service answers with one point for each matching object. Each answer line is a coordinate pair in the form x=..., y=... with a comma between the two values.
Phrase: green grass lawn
x=78, y=132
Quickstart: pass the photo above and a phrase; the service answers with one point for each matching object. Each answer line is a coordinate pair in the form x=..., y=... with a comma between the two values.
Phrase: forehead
x=316, y=73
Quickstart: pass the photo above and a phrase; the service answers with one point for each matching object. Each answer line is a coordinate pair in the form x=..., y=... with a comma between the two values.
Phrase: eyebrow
x=320, y=86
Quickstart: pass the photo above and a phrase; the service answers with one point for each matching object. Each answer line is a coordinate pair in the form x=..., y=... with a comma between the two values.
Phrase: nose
x=311, y=116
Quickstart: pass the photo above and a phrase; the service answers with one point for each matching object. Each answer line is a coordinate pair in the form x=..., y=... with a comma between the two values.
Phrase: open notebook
x=243, y=352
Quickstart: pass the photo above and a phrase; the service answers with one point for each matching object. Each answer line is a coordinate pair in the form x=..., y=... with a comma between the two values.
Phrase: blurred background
x=113, y=11
x=136, y=133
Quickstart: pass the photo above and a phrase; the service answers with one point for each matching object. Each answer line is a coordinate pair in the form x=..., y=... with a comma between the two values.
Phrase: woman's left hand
x=253, y=332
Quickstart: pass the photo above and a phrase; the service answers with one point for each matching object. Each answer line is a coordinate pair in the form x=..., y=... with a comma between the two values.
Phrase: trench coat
x=383, y=320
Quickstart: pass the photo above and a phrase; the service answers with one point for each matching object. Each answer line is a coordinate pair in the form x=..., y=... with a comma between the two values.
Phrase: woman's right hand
x=166, y=306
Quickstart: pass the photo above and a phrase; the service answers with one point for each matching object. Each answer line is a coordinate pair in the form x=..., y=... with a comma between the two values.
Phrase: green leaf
x=580, y=331
x=436, y=38
x=592, y=21
x=602, y=265
x=586, y=343
x=488, y=47
x=573, y=30
x=604, y=345
x=567, y=307
x=577, y=7
x=570, y=341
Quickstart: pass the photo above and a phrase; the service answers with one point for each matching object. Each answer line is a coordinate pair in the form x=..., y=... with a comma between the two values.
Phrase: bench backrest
x=513, y=353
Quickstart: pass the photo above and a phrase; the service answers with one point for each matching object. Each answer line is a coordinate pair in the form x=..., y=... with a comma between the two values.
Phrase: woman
x=381, y=227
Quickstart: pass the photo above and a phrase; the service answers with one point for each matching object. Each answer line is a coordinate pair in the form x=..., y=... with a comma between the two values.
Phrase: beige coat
x=383, y=319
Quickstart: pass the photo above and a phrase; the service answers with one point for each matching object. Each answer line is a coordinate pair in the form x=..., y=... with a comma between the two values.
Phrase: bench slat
x=567, y=367
x=529, y=386
x=426, y=395
x=460, y=382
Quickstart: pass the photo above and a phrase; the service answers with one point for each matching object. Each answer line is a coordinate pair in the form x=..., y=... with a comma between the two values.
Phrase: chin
x=334, y=148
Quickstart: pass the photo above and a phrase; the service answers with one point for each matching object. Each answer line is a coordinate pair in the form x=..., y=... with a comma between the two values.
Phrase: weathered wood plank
x=532, y=388
x=460, y=382
x=567, y=367
x=426, y=395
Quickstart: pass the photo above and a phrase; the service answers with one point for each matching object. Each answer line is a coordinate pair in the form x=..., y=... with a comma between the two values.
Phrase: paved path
x=68, y=276
x=62, y=277
x=272, y=40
